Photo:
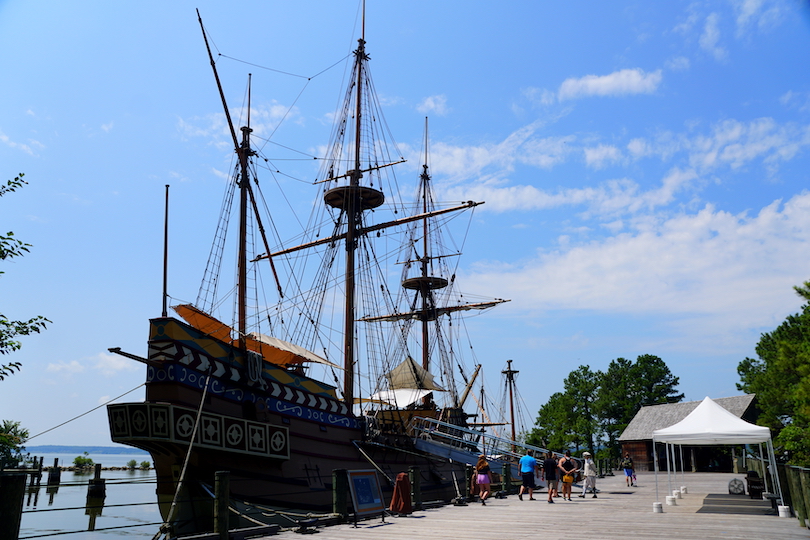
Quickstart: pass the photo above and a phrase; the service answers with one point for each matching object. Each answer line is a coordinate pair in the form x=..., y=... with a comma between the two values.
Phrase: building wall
x=641, y=454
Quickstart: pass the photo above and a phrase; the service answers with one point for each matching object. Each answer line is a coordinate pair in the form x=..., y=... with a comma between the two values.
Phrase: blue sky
x=644, y=166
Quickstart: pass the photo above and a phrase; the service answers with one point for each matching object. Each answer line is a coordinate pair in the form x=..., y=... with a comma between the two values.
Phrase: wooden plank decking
x=619, y=512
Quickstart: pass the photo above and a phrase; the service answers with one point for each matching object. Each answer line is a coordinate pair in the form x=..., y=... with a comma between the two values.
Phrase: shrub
x=131, y=464
x=83, y=462
x=145, y=465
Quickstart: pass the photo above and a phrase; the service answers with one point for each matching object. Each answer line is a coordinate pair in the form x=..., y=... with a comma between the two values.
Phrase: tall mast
x=510, y=382
x=244, y=152
x=353, y=199
x=424, y=284
x=427, y=296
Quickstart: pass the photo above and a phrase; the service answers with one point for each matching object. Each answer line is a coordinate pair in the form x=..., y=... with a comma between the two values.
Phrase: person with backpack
x=629, y=470
x=568, y=469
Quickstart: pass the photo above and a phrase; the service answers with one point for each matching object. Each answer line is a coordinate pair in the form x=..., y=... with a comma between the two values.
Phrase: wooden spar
x=426, y=292
x=469, y=386
x=242, y=151
x=510, y=381
x=435, y=312
x=165, y=312
x=366, y=230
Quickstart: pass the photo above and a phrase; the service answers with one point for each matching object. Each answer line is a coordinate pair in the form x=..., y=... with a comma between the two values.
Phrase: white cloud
x=482, y=172
x=679, y=63
x=112, y=364
x=797, y=100
x=104, y=363
x=709, y=40
x=761, y=14
x=547, y=152
x=264, y=119
x=69, y=368
x=19, y=146
x=434, y=104
x=624, y=82
x=107, y=127
x=602, y=155
x=736, y=144
x=732, y=269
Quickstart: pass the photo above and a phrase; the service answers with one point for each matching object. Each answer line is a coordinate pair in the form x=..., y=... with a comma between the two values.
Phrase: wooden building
x=636, y=439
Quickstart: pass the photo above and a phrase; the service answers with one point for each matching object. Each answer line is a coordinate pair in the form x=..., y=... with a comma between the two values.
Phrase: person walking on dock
x=550, y=475
x=569, y=468
x=528, y=472
x=589, y=470
x=483, y=477
x=629, y=469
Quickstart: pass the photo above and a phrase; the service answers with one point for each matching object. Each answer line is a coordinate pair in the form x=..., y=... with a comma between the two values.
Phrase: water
x=106, y=460
x=129, y=509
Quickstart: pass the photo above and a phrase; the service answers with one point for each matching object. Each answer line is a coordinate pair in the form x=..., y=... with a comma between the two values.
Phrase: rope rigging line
x=308, y=78
x=86, y=413
x=165, y=528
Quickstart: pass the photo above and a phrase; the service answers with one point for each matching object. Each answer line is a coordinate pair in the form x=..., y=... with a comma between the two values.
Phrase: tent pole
x=669, y=469
x=775, y=470
x=655, y=466
x=683, y=480
x=764, y=468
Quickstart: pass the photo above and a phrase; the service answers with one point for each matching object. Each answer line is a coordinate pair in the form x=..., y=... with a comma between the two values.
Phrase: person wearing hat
x=589, y=471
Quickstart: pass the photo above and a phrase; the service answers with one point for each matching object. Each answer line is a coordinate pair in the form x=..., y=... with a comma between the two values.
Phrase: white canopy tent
x=710, y=424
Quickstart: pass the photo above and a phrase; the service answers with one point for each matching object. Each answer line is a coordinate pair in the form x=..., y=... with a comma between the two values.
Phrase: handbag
x=568, y=479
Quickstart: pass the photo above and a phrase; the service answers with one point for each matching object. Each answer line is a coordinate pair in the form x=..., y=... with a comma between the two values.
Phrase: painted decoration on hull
x=133, y=422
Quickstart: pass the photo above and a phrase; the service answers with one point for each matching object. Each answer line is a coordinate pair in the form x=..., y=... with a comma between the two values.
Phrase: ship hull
x=278, y=434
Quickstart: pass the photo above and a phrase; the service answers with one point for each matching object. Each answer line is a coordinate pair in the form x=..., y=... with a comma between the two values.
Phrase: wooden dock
x=706, y=512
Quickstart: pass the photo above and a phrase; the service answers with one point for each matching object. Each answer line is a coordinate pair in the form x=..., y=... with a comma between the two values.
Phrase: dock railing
x=797, y=480
x=468, y=444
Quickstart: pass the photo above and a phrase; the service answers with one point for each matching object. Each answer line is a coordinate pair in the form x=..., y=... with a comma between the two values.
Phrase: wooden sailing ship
x=223, y=397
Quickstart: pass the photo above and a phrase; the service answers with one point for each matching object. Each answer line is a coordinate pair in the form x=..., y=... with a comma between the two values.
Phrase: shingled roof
x=653, y=417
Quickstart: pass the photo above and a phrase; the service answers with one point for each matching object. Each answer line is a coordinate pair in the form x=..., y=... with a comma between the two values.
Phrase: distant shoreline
x=79, y=450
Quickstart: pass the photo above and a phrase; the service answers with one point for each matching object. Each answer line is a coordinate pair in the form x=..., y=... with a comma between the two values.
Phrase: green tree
x=654, y=382
x=614, y=404
x=83, y=462
x=626, y=387
x=596, y=405
x=554, y=420
x=12, y=441
x=11, y=247
x=780, y=377
x=582, y=385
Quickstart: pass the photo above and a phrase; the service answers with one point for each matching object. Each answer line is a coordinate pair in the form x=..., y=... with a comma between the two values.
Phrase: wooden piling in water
x=506, y=477
x=415, y=475
x=340, y=492
x=97, y=487
x=12, y=492
x=221, y=500
x=55, y=474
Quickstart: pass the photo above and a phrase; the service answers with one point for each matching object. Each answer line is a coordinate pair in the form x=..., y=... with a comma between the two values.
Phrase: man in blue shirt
x=528, y=471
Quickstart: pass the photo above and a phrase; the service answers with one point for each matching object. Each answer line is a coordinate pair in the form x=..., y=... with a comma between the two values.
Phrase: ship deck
x=619, y=512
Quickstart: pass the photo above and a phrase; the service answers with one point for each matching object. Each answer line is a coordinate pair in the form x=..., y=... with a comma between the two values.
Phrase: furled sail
x=273, y=350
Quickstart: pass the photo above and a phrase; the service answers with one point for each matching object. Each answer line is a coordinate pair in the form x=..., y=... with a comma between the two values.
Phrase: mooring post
x=506, y=477
x=221, y=499
x=415, y=476
x=36, y=472
x=468, y=496
x=55, y=474
x=96, y=487
x=340, y=492
x=12, y=493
